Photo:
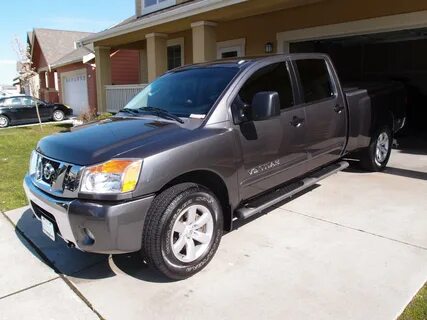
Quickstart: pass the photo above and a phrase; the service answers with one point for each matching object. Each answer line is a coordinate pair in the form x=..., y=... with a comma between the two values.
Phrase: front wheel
x=58, y=115
x=375, y=157
x=183, y=230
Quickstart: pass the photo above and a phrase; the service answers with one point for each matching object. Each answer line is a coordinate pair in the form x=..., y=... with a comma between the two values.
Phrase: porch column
x=143, y=66
x=204, y=41
x=156, y=55
x=103, y=76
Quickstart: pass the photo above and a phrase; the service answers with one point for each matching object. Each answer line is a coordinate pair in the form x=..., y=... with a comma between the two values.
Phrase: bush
x=93, y=116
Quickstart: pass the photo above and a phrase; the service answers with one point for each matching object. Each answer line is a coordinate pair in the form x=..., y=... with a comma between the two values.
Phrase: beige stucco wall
x=263, y=28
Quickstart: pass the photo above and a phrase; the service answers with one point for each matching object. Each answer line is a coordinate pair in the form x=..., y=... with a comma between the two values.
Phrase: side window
x=315, y=79
x=28, y=102
x=15, y=102
x=274, y=77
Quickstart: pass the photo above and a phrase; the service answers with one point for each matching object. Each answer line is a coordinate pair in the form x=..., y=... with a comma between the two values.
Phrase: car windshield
x=185, y=93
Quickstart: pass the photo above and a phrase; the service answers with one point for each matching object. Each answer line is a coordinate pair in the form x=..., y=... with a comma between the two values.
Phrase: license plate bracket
x=48, y=228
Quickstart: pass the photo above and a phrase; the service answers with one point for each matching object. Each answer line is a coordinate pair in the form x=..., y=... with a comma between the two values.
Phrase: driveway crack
x=51, y=265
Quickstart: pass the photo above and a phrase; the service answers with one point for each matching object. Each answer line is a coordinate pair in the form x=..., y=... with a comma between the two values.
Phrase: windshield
x=185, y=93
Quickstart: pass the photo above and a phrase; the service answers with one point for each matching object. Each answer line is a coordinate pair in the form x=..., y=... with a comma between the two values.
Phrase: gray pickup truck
x=203, y=146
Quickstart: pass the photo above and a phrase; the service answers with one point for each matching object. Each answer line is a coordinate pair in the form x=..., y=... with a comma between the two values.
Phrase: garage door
x=75, y=91
x=399, y=55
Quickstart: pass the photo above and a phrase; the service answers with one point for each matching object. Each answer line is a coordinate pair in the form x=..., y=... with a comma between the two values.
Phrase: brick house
x=367, y=39
x=67, y=70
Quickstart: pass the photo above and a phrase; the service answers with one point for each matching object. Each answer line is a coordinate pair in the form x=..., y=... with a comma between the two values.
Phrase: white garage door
x=75, y=91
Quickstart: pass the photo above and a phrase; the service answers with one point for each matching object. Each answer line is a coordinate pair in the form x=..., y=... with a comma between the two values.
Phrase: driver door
x=273, y=150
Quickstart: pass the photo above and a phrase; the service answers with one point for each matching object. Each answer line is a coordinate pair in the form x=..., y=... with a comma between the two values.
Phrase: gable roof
x=55, y=44
x=72, y=57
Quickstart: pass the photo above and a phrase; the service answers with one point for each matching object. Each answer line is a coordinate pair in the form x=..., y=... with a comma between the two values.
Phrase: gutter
x=59, y=65
x=173, y=14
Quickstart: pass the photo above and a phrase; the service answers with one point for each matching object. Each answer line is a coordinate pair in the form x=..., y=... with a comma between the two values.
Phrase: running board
x=282, y=193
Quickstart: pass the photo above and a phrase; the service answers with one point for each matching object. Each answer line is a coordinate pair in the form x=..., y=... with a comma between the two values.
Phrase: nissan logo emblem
x=48, y=172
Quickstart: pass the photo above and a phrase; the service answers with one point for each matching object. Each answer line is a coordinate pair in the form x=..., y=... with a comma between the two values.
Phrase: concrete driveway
x=354, y=247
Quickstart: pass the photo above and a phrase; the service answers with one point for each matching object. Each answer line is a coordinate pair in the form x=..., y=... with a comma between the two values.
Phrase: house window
x=175, y=53
x=231, y=48
x=155, y=5
x=174, y=57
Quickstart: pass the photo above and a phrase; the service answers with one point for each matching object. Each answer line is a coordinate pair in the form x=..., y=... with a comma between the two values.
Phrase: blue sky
x=20, y=16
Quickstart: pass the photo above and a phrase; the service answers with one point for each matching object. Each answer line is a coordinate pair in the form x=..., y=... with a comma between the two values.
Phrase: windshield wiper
x=128, y=110
x=162, y=113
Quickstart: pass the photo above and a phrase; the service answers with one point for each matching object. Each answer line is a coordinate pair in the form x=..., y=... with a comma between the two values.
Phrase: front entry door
x=273, y=150
x=326, y=112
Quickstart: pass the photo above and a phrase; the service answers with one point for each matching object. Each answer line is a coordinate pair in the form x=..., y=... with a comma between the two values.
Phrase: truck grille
x=56, y=177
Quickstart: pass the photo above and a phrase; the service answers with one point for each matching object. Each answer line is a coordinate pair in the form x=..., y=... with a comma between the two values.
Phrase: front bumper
x=114, y=227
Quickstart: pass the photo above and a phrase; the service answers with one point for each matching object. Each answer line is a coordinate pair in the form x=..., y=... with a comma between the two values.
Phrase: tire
x=4, y=121
x=167, y=227
x=375, y=157
x=58, y=115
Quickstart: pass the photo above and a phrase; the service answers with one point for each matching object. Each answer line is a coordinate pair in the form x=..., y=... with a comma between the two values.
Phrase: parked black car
x=22, y=109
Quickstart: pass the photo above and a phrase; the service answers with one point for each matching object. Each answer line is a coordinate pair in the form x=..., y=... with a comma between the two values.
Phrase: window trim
x=156, y=7
x=177, y=42
x=238, y=45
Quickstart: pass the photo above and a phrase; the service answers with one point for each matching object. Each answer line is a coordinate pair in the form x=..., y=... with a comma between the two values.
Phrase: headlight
x=115, y=176
x=33, y=163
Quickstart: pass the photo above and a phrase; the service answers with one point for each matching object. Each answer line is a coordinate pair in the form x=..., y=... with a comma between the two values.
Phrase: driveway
x=353, y=247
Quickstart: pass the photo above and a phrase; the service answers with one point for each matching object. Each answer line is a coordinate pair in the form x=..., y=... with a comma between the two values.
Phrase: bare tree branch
x=27, y=72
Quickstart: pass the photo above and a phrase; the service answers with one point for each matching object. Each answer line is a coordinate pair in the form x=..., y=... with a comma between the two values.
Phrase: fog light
x=89, y=238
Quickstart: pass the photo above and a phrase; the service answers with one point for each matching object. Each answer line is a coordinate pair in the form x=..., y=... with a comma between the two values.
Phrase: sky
x=21, y=16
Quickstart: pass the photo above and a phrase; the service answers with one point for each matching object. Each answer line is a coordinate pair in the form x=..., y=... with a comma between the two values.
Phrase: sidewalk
x=29, y=289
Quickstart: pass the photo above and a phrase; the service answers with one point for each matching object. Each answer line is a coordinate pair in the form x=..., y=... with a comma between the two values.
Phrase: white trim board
x=238, y=45
x=404, y=21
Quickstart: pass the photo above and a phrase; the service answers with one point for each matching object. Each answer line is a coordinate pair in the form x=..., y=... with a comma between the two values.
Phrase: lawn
x=417, y=309
x=16, y=145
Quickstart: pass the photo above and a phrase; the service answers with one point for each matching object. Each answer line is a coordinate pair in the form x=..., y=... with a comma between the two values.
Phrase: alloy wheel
x=382, y=148
x=192, y=233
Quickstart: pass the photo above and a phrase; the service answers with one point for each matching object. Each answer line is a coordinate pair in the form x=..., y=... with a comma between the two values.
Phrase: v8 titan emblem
x=264, y=167
x=48, y=172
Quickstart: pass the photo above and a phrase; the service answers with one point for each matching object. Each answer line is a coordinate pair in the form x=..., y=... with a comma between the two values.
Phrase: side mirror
x=265, y=105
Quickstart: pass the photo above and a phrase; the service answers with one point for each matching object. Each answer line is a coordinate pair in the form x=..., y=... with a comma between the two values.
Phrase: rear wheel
x=4, y=121
x=182, y=231
x=376, y=156
x=58, y=115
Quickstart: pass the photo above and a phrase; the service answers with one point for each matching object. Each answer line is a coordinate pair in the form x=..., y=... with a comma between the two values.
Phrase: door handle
x=338, y=109
x=297, y=122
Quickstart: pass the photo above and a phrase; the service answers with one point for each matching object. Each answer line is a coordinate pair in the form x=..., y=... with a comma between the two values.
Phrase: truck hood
x=100, y=141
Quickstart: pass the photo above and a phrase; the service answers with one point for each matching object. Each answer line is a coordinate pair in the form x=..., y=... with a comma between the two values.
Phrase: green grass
x=16, y=145
x=417, y=309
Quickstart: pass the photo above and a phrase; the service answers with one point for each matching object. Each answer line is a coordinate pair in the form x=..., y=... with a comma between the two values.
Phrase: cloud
x=7, y=62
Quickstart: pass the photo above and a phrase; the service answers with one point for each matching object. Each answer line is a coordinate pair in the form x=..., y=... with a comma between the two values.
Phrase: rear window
x=315, y=79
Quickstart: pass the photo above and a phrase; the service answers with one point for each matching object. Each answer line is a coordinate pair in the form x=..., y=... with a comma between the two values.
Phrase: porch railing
x=119, y=95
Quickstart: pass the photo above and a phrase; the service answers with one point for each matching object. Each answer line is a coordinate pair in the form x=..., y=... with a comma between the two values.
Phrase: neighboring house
x=366, y=38
x=67, y=70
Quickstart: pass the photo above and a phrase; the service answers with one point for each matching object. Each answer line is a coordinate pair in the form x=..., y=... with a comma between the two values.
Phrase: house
x=67, y=70
x=366, y=38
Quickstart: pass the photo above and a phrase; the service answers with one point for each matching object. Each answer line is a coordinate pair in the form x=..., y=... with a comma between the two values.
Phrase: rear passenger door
x=326, y=123
x=273, y=150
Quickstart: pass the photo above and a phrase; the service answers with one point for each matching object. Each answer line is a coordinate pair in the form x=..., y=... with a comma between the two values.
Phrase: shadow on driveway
x=88, y=266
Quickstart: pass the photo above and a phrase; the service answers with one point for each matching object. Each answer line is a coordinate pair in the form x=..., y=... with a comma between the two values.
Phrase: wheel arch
x=212, y=181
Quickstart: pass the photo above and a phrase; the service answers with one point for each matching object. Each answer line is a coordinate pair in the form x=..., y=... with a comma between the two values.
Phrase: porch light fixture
x=268, y=47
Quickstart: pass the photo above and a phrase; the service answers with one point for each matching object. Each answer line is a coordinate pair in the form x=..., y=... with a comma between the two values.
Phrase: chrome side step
x=282, y=193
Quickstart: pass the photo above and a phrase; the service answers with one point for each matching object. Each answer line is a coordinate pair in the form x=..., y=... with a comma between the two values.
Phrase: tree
x=26, y=70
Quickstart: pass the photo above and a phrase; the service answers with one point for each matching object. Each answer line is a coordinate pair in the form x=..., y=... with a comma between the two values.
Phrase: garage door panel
x=76, y=92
